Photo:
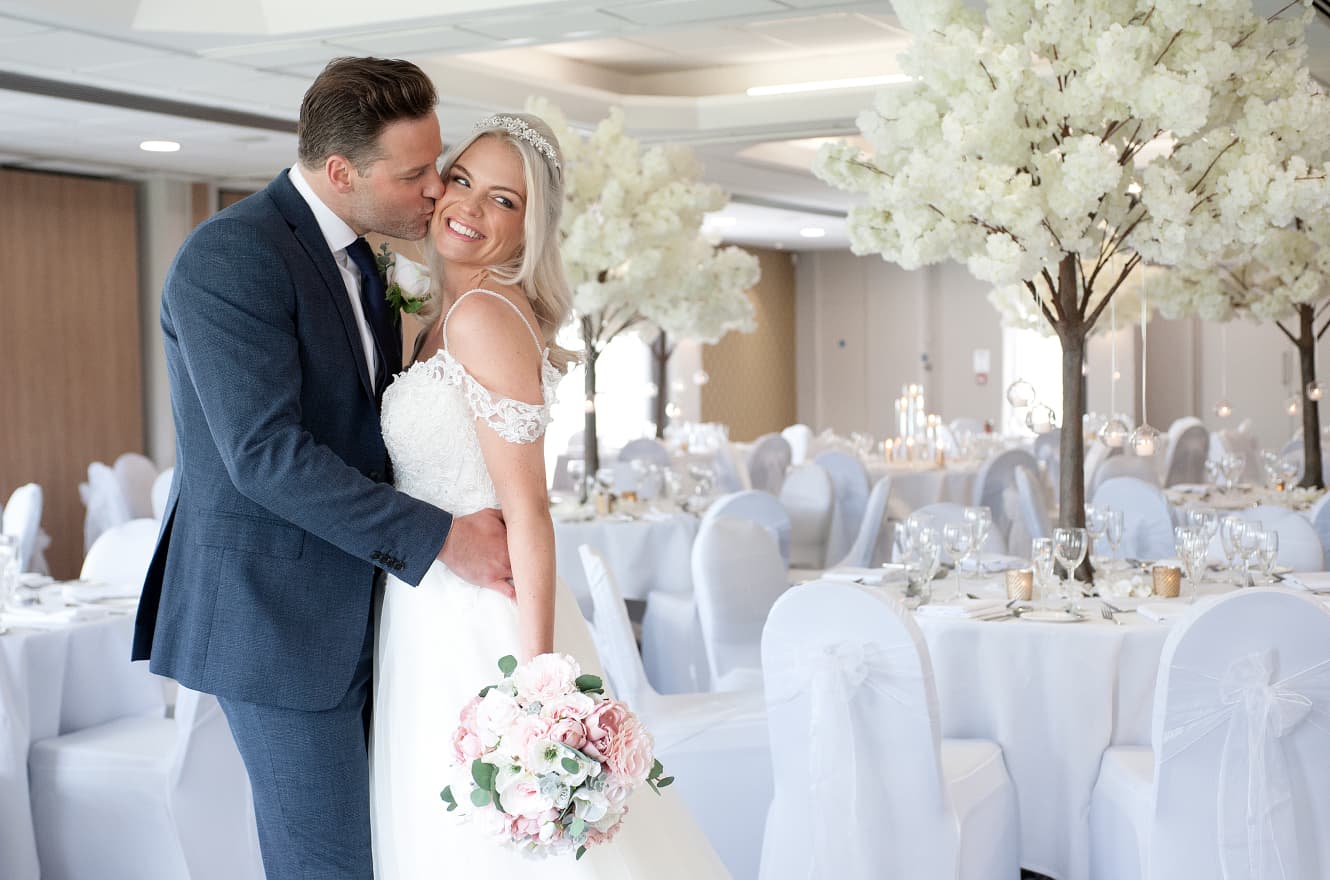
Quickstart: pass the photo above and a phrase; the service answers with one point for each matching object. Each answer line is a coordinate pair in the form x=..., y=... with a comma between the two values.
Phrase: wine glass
x=921, y=566
x=1069, y=548
x=958, y=541
x=1207, y=520
x=1267, y=552
x=1096, y=524
x=1041, y=560
x=982, y=520
x=1249, y=545
x=1186, y=541
x=577, y=473
x=1114, y=528
x=907, y=535
x=1232, y=466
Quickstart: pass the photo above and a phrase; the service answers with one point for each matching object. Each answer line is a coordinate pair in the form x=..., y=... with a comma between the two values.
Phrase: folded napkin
x=1165, y=611
x=1311, y=581
x=992, y=563
x=75, y=592
x=36, y=617
x=972, y=609
x=870, y=576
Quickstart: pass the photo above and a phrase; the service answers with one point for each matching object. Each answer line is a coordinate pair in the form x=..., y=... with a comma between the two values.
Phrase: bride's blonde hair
x=537, y=267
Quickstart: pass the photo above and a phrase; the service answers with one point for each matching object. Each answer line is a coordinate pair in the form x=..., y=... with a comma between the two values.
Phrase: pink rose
x=568, y=731
x=545, y=677
x=525, y=730
x=630, y=752
x=575, y=705
x=495, y=714
x=522, y=797
x=466, y=745
x=605, y=719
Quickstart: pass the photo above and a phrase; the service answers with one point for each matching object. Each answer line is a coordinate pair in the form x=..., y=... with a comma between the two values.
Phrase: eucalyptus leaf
x=570, y=765
x=507, y=664
x=480, y=797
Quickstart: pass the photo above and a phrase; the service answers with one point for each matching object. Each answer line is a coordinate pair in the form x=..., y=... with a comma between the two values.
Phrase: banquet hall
x=940, y=476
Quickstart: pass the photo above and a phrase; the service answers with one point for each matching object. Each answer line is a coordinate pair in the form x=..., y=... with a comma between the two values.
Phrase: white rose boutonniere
x=406, y=282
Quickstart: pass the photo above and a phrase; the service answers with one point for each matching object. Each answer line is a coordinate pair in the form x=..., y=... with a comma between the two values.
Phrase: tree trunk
x=660, y=374
x=591, y=449
x=1311, y=410
x=1071, y=477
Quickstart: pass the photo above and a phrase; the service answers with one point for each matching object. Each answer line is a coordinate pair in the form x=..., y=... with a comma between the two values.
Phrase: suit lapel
x=307, y=232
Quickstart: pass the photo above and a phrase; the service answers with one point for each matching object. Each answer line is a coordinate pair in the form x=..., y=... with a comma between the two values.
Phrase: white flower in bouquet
x=546, y=677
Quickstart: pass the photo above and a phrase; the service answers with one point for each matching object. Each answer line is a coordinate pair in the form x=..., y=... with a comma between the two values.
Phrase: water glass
x=1267, y=552
x=982, y=520
x=1114, y=528
x=1249, y=545
x=1041, y=560
x=1096, y=524
x=1191, y=547
x=958, y=542
x=1069, y=548
x=1229, y=527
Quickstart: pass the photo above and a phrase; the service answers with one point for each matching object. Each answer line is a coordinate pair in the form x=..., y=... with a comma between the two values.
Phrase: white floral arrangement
x=631, y=238
x=1164, y=131
x=545, y=762
x=407, y=285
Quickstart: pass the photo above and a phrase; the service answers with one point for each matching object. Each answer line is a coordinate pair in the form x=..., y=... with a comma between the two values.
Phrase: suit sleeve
x=231, y=303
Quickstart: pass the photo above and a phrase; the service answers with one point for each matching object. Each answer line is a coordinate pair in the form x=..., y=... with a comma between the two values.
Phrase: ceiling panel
x=417, y=41
x=834, y=31
x=67, y=50
x=725, y=45
x=176, y=72
x=279, y=54
x=273, y=89
x=13, y=27
x=689, y=12
x=553, y=28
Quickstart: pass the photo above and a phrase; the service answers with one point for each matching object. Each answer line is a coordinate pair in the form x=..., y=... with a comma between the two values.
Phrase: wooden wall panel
x=70, y=373
x=752, y=387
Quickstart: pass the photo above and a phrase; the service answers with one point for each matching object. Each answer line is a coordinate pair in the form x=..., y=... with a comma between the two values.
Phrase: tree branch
x=1132, y=263
x=1282, y=329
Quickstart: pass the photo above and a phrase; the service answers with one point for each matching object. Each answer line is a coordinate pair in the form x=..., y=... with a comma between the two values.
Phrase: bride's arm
x=488, y=338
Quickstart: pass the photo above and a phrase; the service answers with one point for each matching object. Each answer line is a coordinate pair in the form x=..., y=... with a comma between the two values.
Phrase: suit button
x=376, y=476
x=376, y=556
x=400, y=565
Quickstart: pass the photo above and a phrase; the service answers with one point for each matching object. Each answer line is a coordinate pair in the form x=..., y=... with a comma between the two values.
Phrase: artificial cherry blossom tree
x=632, y=245
x=1055, y=144
x=1285, y=281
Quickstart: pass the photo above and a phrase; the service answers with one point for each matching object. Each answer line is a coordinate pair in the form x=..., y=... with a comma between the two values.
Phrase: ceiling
x=82, y=82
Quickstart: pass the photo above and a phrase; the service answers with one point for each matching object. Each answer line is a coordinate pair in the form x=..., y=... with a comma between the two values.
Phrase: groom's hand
x=476, y=550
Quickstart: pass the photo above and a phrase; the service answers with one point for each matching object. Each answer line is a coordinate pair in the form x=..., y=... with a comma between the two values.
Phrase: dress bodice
x=429, y=427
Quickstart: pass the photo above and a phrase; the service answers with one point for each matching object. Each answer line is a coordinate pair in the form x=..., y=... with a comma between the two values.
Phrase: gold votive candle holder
x=1167, y=580
x=1020, y=584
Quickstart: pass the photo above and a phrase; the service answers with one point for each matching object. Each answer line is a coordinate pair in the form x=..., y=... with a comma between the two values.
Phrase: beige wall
x=752, y=385
x=70, y=373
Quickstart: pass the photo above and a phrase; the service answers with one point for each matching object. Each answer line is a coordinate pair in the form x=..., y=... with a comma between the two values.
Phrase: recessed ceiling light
x=812, y=232
x=160, y=146
x=828, y=84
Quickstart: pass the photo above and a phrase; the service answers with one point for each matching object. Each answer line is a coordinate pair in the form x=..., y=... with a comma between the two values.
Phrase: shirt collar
x=335, y=230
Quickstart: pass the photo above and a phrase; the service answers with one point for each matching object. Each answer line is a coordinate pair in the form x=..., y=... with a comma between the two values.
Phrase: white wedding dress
x=439, y=643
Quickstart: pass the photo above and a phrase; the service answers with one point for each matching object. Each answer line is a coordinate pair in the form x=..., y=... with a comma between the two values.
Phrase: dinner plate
x=1053, y=616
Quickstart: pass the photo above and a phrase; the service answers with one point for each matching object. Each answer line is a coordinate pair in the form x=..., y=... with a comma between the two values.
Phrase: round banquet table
x=647, y=553
x=913, y=486
x=55, y=681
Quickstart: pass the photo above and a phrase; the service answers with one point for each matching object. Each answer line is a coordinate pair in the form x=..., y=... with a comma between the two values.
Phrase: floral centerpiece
x=632, y=245
x=546, y=762
x=1055, y=144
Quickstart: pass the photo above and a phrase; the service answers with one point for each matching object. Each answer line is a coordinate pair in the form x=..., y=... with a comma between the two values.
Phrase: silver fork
x=1107, y=614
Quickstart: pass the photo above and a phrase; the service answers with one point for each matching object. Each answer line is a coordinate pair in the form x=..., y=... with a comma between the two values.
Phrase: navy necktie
x=374, y=301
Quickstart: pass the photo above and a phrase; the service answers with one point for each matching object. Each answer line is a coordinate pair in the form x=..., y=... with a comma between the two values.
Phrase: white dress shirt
x=339, y=236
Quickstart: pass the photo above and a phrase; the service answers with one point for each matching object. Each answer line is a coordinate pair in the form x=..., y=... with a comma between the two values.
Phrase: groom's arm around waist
x=229, y=313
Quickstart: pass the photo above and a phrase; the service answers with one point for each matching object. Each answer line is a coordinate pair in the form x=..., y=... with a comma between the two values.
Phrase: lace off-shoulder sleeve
x=514, y=420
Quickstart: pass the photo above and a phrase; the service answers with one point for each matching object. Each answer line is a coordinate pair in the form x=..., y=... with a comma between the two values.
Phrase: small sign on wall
x=983, y=362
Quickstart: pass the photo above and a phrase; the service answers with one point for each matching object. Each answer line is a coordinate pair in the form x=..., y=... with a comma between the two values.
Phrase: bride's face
x=478, y=221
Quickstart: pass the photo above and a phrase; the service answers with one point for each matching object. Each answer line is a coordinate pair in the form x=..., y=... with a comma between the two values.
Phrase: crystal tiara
x=518, y=128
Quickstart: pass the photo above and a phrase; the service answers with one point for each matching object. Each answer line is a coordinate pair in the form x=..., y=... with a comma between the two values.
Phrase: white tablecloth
x=1054, y=696
x=52, y=682
x=646, y=554
x=912, y=487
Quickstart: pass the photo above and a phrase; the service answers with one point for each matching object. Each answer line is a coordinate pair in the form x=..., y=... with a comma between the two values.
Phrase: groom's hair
x=350, y=104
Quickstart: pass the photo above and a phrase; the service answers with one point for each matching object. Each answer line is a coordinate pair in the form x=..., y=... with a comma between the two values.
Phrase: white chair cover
x=121, y=555
x=1126, y=466
x=768, y=461
x=1299, y=545
x=1243, y=442
x=136, y=473
x=849, y=480
x=800, y=438
x=1096, y=453
x=864, y=551
x=714, y=744
x=1237, y=782
x=945, y=512
x=152, y=798
x=1048, y=452
x=1320, y=517
x=737, y=575
x=1033, y=506
x=161, y=492
x=731, y=471
x=1188, y=447
x=1147, y=520
x=995, y=480
x=647, y=449
x=22, y=519
x=759, y=507
x=865, y=785
x=105, y=503
x=807, y=495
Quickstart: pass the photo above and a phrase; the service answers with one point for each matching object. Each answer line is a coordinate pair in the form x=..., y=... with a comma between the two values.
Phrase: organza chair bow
x=1257, y=827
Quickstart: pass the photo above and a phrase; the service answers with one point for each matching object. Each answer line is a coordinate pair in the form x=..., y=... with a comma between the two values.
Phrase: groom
x=281, y=516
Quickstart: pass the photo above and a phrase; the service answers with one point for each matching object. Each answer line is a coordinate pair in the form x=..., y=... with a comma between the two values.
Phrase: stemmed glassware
x=1207, y=521
x=1230, y=542
x=1249, y=545
x=1069, y=548
x=923, y=556
x=1041, y=560
x=981, y=518
x=958, y=542
x=1096, y=524
x=1114, y=528
x=1230, y=468
x=1267, y=552
x=577, y=473
x=1192, y=546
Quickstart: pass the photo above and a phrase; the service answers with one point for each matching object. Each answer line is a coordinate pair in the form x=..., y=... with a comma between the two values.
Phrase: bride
x=464, y=426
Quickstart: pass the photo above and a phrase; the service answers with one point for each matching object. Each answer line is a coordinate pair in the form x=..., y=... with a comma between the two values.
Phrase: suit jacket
x=261, y=585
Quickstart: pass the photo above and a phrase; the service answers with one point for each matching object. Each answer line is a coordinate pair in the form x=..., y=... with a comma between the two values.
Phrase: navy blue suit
x=262, y=584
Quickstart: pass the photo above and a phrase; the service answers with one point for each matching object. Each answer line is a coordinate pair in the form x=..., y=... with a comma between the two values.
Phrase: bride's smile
x=479, y=219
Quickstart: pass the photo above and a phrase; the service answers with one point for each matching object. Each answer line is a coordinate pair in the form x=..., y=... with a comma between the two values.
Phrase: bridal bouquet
x=546, y=762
